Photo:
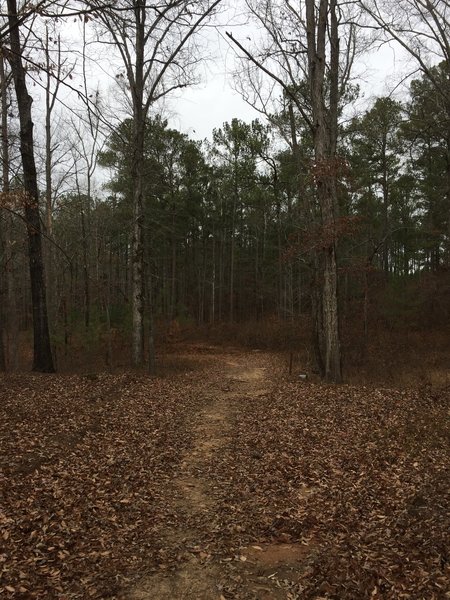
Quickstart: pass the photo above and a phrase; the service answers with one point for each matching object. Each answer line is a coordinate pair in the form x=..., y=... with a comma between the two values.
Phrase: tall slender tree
x=235, y=148
x=422, y=29
x=3, y=241
x=309, y=53
x=427, y=129
x=376, y=157
x=153, y=40
x=42, y=354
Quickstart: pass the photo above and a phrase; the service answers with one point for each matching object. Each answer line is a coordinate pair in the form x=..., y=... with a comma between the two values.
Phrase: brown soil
x=223, y=478
x=258, y=568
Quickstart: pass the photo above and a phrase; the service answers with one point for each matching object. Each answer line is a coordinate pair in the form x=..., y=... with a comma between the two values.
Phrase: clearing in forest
x=221, y=480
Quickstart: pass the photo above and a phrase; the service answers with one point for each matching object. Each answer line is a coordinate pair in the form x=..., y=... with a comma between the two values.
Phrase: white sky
x=197, y=110
x=200, y=109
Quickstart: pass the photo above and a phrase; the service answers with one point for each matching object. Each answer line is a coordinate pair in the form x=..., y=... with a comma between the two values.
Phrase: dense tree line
x=287, y=216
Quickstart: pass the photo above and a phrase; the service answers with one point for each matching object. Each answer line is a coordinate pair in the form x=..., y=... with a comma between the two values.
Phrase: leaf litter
x=296, y=490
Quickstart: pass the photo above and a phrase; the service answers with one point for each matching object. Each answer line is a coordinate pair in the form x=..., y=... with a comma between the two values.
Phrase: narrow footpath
x=203, y=576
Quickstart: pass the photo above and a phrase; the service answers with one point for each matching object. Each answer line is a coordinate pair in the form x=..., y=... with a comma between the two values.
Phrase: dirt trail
x=200, y=577
x=221, y=479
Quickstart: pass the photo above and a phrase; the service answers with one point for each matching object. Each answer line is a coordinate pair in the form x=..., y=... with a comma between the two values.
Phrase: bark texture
x=3, y=241
x=137, y=272
x=321, y=25
x=42, y=355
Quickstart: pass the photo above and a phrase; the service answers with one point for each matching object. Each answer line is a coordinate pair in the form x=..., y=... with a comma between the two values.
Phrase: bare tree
x=154, y=42
x=420, y=27
x=42, y=356
x=3, y=240
x=7, y=282
x=86, y=145
x=57, y=70
x=309, y=51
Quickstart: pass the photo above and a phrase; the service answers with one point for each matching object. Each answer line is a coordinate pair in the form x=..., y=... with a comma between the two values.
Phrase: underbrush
x=401, y=356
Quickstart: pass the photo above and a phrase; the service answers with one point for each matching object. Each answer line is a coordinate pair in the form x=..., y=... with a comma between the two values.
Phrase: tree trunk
x=385, y=207
x=53, y=72
x=49, y=103
x=8, y=324
x=324, y=132
x=317, y=316
x=173, y=276
x=448, y=190
x=137, y=258
x=212, y=317
x=42, y=355
x=137, y=244
x=3, y=297
x=12, y=328
x=86, y=286
x=232, y=257
x=3, y=240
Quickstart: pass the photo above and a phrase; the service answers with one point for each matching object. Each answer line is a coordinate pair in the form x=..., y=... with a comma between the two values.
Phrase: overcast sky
x=207, y=106
x=202, y=108
x=197, y=110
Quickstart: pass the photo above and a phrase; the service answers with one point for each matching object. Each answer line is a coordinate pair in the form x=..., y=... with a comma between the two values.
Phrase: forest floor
x=221, y=479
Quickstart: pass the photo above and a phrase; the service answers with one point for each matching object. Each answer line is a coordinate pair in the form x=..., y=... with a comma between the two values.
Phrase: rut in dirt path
x=198, y=578
x=211, y=433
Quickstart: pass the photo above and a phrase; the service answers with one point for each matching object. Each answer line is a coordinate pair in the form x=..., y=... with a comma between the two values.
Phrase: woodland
x=224, y=364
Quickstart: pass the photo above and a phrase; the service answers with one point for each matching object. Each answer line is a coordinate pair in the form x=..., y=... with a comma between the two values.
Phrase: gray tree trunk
x=325, y=139
x=3, y=240
x=3, y=297
x=137, y=244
